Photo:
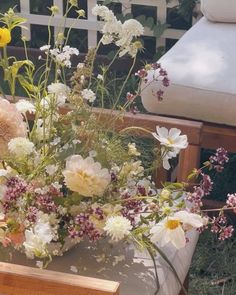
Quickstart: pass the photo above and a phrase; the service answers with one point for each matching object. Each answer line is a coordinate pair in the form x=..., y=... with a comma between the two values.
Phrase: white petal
x=166, y=164
x=192, y=219
x=162, y=131
x=174, y=133
x=177, y=237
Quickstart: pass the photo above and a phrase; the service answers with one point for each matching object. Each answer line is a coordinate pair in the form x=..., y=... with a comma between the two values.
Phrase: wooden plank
x=23, y=280
x=215, y=135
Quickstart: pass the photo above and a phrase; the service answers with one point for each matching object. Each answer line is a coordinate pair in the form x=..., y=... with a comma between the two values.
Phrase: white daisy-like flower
x=88, y=95
x=20, y=146
x=118, y=227
x=24, y=106
x=85, y=176
x=172, y=143
x=172, y=228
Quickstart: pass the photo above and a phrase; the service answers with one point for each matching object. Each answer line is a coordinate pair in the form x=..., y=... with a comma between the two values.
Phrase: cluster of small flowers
x=231, y=201
x=63, y=56
x=84, y=227
x=206, y=184
x=46, y=202
x=203, y=189
x=31, y=214
x=120, y=34
x=219, y=159
x=196, y=197
x=219, y=227
x=15, y=188
x=159, y=74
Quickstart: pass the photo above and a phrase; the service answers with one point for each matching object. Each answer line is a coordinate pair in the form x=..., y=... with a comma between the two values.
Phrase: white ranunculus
x=117, y=227
x=172, y=228
x=85, y=176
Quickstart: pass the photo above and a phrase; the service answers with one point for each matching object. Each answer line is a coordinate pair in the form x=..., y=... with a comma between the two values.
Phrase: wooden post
x=188, y=160
x=23, y=280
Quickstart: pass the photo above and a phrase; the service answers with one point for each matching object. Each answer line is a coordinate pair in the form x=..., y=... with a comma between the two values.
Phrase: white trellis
x=92, y=25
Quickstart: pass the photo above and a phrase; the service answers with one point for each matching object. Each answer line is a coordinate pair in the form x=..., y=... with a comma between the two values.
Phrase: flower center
x=170, y=140
x=172, y=224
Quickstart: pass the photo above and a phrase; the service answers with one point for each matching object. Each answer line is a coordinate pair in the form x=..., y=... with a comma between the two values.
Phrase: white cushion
x=219, y=10
x=135, y=271
x=202, y=72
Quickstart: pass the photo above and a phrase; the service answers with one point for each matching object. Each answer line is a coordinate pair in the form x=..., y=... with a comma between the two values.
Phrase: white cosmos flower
x=172, y=228
x=85, y=176
x=117, y=227
x=88, y=95
x=171, y=143
x=24, y=106
x=20, y=146
x=171, y=138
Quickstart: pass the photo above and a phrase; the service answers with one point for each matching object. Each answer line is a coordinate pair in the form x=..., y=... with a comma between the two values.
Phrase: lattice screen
x=90, y=26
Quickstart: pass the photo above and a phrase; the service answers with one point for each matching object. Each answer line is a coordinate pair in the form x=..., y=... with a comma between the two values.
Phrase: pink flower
x=11, y=125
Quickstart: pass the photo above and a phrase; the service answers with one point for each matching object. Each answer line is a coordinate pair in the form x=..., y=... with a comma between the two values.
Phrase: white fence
x=92, y=25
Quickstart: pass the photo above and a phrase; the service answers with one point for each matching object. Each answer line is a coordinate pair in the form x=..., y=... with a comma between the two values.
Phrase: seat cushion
x=202, y=72
x=219, y=10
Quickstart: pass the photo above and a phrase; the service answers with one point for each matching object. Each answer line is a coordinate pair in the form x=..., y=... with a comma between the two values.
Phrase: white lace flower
x=20, y=146
x=45, y=47
x=85, y=176
x=172, y=228
x=88, y=95
x=133, y=28
x=64, y=56
x=61, y=92
x=103, y=12
x=24, y=106
x=117, y=227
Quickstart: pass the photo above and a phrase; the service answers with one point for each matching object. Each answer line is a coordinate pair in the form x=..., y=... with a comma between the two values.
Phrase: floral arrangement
x=66, y=174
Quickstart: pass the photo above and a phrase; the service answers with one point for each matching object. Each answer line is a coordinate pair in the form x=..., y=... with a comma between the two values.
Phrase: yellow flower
x=5, y=37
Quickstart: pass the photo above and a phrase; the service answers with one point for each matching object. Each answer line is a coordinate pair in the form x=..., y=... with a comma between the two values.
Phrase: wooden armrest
x=23, y=280
x=192, y=129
